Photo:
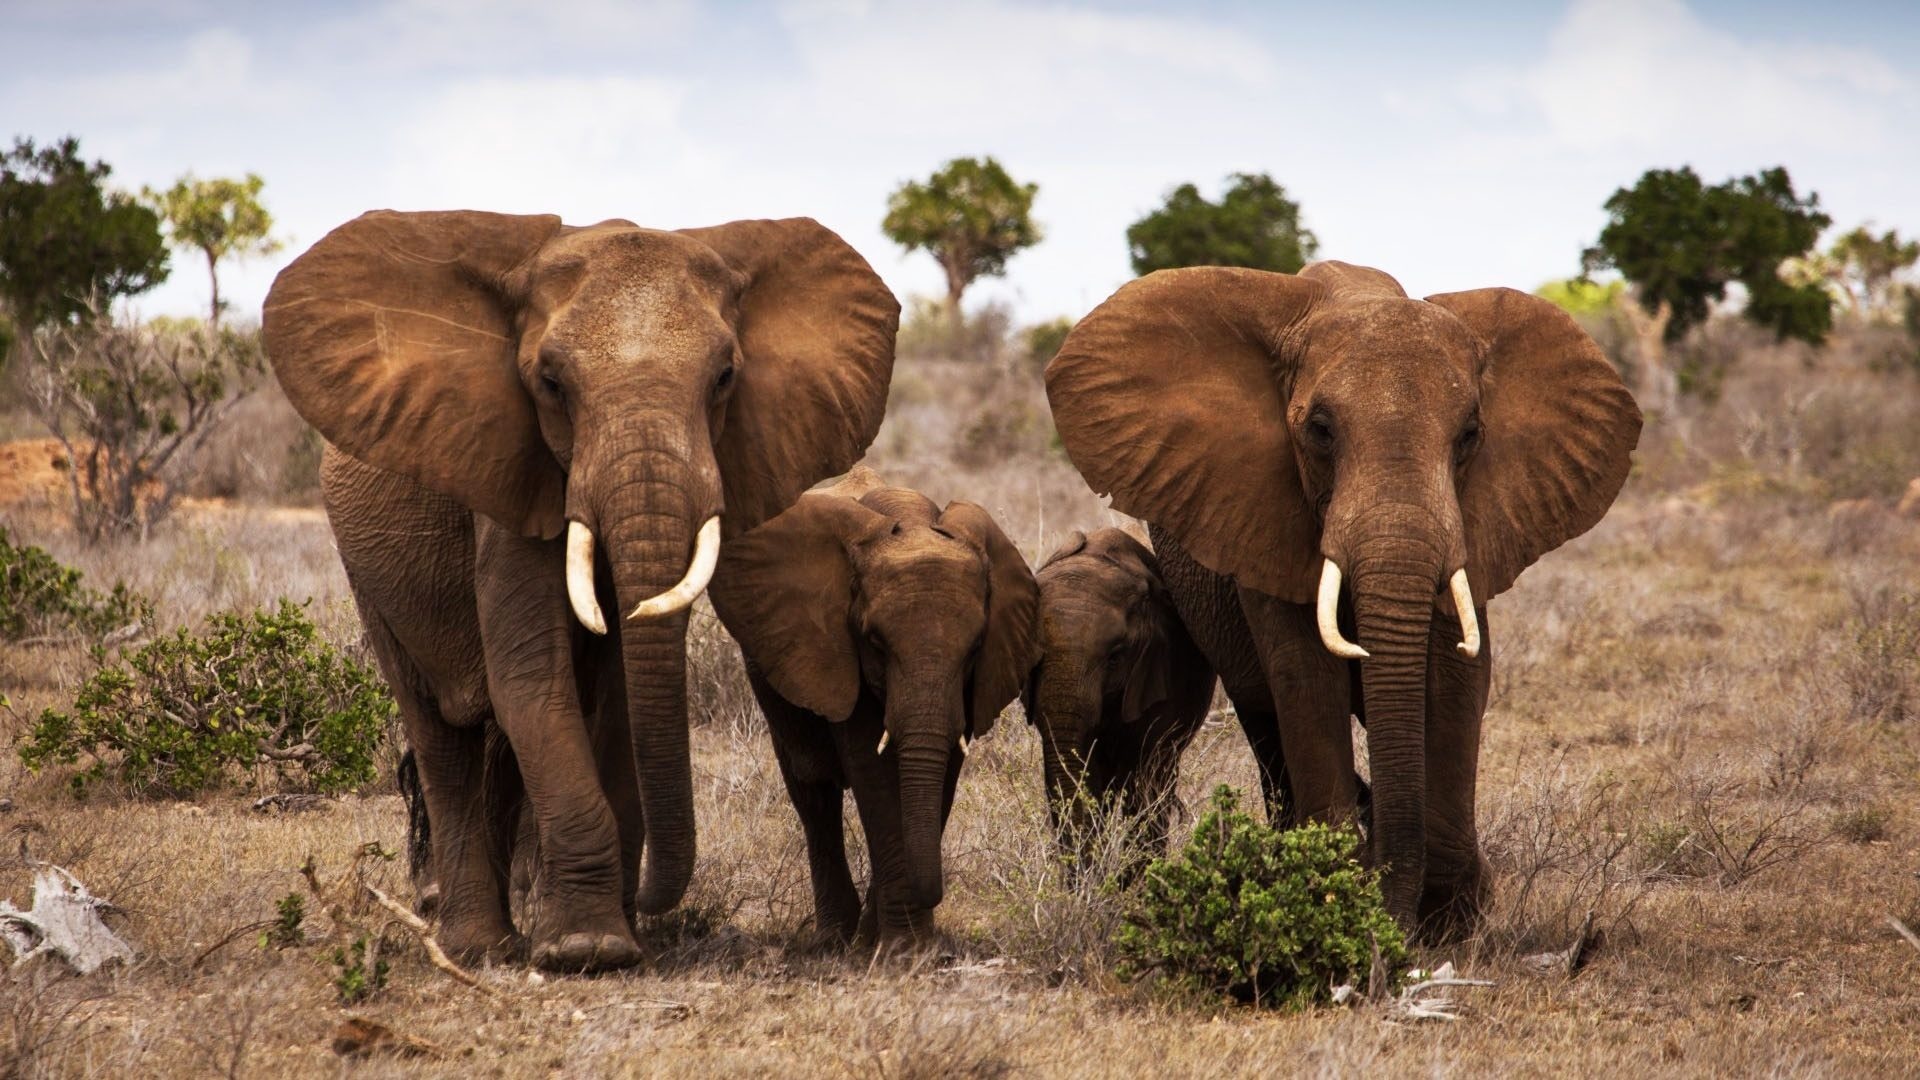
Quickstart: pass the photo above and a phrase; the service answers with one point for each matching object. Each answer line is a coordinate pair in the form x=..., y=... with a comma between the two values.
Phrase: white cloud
x=1650, y=74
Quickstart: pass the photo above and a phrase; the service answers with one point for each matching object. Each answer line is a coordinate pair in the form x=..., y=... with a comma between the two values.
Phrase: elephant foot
x=1450, y=908
x=585, y=951
x=496, y=945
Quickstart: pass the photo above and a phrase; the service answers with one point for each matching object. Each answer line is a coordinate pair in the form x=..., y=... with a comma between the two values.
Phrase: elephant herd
x=546, y=441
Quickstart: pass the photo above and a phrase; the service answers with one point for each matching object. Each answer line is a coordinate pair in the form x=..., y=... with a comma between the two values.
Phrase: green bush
x=40, y=597
x=1263, y=916
x=256, y=694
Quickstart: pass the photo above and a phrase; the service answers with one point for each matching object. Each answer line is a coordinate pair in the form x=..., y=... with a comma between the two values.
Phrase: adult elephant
x=1286, y=436
x=488, y=382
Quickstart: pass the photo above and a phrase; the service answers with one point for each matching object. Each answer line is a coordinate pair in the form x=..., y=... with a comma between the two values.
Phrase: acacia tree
x=1680, y=243
x=1254, y=224
x=220, y=218
x=1867, y=264
x=66, y=240
x=970, y=215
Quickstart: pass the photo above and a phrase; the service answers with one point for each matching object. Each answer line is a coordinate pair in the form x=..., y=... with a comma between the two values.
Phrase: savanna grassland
x=1704, y=747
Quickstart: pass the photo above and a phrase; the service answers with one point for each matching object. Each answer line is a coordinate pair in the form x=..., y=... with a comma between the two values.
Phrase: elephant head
x=639, y=389
x=929, y=611
x=1111, y=653
x=1294, y=431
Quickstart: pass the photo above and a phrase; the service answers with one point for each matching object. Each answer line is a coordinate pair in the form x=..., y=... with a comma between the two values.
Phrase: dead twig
x=1905, y=931
x=434, y=952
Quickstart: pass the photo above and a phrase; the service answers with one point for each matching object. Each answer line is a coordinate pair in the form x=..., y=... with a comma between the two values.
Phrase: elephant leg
x=461, y=870
x=808, y=765
x=875, y=779
x=1456, y=887
x=527, y=631
x=605, y=685
x=1310, y=689
x=1262, y=729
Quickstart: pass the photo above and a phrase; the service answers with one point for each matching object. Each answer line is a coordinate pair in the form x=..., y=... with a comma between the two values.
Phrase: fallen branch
x=434, y=952
x=1913, y=939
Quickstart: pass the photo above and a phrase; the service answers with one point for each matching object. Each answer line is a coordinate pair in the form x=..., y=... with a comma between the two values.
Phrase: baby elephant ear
x=1558, y=432
x=1012, y=645
x=785, y=593
x=395, y=337
x=816, y=336
x=1147, y=682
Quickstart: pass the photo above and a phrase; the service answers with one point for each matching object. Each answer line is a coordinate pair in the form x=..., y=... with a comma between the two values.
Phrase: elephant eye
x=723, y=380
x=1320, y=431
x=552, y=384
x=1469, y=440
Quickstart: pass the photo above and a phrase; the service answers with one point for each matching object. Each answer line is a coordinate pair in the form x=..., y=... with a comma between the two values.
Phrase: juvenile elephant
x=490, y=381
x=882, y=634
x=1286, y=436
x=1120, y=688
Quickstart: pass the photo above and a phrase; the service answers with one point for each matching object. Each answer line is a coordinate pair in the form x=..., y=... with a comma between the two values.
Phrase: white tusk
x=963, y=746
x=882, y=748
x=1328, y=612
x=580, y=591
x=1469, y=621
x=706, y=556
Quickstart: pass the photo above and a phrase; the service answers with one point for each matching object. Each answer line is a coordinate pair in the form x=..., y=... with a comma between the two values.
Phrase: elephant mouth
x=586, y=602
x=1326, y=614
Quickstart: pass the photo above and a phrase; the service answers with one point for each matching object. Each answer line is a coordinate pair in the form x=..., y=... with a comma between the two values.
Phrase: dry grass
x=1705, y=732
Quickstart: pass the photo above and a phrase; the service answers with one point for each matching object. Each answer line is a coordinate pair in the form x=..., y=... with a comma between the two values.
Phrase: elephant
x=1120, y=689
x=1337, y=478
x=882, y=635
x=487, y=383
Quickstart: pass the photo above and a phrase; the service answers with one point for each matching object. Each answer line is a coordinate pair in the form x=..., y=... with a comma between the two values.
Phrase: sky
x=1455, y=146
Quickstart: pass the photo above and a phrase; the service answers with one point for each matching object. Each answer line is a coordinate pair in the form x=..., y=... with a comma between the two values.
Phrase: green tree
x=1254, y=224
x=1867, y=264
x=220, y=218
x=1680, y=242
x=67, y=242
x=970, y=215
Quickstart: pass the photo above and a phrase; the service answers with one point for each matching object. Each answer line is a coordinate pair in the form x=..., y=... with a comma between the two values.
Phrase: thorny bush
x=42, y=598
x=258, y=692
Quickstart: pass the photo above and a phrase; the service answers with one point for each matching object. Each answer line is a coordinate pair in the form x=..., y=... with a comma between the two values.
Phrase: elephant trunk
x=1067, y=707
x=1395, y=574
x=925, y=715
x=649, y=519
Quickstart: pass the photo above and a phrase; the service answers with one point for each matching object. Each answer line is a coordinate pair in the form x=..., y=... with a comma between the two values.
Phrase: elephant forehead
x=1088, y=580
x=1391, y=333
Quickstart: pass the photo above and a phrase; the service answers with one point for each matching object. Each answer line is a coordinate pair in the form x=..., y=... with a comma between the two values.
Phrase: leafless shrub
x=717, y=688
x=928, y=331
x=1880, y=667
x=132, y=404
x=1728, y=829
x=1561, y=847
x=1862, y=824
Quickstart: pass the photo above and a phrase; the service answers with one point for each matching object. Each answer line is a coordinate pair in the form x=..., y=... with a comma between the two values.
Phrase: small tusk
x=1328, y=614
x=706, y=556
x=963, y=746
x=1469, y=645
x=580, y=591
x=882, y=748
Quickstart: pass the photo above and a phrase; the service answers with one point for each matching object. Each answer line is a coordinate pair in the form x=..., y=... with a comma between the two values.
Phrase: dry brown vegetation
x=1705, y=738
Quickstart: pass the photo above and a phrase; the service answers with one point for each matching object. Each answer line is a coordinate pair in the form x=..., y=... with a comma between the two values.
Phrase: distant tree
x=971, y=216
x=67, y=242
x=1254, y=224
x=1867, y=264
x=1680, y=243
x=220, y=218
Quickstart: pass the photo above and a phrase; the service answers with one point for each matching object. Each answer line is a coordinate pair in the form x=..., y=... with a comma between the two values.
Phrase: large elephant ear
x=1012, y=644
x=395, y=337
x=816, y=336
x=1559, y=428
x=1172, y=396
x=785, y=593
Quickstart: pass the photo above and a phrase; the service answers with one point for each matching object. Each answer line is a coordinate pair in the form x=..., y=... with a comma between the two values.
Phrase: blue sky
x=1454, y=146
